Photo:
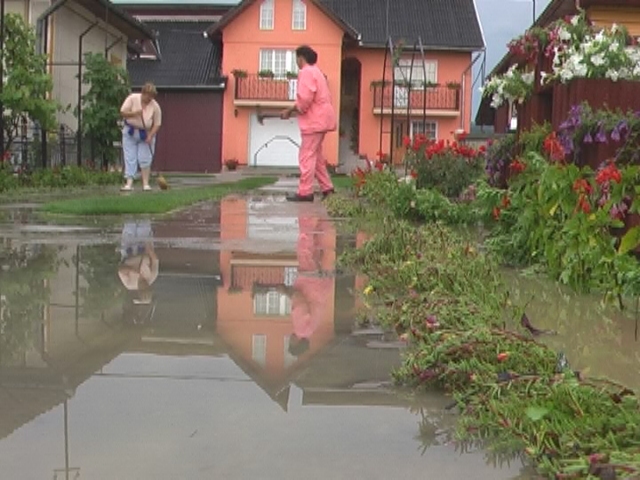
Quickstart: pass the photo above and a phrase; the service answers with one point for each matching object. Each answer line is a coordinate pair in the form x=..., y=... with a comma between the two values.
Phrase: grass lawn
x=151, y=202
x=342, y=181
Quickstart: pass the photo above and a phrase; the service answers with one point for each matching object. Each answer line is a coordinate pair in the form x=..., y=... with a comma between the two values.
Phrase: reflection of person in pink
x=312, y=286
x=316, y=117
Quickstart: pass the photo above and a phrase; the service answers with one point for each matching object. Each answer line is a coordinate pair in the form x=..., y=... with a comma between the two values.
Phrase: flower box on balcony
x=266, y=88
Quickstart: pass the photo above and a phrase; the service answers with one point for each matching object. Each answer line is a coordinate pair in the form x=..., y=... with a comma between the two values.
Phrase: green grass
x=151, y=202
x=342, y=181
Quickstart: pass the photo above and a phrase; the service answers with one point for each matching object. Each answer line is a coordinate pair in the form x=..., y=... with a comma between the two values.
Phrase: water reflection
x=247, y=358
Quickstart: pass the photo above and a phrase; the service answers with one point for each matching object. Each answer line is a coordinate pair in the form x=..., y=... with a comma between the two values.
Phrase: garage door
x=191, y=136
x=275, y=143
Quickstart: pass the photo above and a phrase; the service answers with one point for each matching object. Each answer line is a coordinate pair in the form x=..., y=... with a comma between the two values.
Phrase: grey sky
x=501, y=21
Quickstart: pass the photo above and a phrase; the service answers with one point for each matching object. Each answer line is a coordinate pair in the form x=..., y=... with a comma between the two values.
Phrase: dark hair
x=297, y=346
x=309, y=54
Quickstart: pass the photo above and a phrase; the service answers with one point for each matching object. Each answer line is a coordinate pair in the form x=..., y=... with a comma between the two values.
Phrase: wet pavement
x=218, y=342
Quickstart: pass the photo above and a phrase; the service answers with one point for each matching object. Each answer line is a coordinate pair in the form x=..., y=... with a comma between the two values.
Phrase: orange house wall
x=236, y=321
x=242, y=42
x=451, y=66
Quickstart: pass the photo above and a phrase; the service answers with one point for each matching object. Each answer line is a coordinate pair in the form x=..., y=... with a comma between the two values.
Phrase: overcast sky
x=501, y=21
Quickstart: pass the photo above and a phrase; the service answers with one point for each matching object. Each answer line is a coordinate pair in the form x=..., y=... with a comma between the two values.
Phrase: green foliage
x=108, y=88
x=57, y=177
x=561, y=217
x=152, y=202
x=513, y=393
x=26, y=84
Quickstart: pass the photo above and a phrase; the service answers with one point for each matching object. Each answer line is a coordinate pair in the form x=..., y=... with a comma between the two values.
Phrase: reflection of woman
x=311, y=288
x=142, y=120
x=139, y=265
x=316, y=117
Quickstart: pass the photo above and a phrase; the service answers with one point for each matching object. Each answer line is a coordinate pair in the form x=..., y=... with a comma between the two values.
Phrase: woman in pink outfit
x=316, y=117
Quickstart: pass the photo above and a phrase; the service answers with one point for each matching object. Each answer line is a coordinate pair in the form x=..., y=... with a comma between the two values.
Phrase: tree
x=27, y=85
x=108, y=88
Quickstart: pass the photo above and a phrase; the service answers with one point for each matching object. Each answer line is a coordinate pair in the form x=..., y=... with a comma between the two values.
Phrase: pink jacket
x=313, y=101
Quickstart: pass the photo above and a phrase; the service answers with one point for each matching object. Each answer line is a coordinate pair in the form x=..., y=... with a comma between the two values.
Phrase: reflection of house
x=551, y=103
x=259, y=38
x=66, y=29
x=254, y=303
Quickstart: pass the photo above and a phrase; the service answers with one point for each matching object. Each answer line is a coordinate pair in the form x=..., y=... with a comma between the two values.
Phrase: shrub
x=448, y=167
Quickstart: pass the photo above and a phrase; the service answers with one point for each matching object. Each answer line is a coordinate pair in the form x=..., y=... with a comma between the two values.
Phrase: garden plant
x=528, y=202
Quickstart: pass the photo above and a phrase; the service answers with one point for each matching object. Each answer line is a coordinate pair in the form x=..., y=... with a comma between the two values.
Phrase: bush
x=64, y=177
x=448, y=167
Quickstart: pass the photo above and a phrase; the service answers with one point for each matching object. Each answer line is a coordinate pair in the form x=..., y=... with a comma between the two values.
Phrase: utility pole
x=534, y=10
x=1, y=79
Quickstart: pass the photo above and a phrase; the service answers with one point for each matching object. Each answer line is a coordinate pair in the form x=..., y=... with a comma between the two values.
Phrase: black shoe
x=327, y=193
x=300, y=198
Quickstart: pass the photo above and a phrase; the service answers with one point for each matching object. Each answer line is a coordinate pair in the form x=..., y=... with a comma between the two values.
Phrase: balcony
x=415, y=100
x=251, y=90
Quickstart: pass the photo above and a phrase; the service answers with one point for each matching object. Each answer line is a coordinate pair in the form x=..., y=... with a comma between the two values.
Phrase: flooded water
x=216, y=343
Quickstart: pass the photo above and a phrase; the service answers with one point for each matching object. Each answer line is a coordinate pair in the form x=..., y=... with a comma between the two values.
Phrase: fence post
x=62, y=146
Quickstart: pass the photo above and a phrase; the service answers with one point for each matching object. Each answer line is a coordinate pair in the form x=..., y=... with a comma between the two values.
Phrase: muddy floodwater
x=219, y=343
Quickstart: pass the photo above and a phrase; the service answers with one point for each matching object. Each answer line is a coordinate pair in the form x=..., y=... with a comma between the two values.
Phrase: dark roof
x=187, y=58
x=441, y=24
x=244, y=4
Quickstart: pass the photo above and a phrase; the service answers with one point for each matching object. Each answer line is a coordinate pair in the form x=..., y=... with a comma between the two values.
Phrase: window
x=259, y=349
x=403, y=71
x=271, y=304
x=428, y=129
x=299, y=17
x=266, y=15
x=278, y=61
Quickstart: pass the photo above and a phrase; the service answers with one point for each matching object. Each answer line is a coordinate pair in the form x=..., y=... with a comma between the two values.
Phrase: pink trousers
x=313, y=164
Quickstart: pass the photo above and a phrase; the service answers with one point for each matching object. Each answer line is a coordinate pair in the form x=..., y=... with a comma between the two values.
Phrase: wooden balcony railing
x=257, y=88
x=417, y=98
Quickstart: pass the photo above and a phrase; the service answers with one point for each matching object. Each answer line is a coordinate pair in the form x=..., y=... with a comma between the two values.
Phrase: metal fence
x=27, y=151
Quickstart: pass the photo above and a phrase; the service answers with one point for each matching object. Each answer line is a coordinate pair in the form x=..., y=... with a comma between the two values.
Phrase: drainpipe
x=42, y=32
x=106, y=50
x=79, y=132
x=463, y=82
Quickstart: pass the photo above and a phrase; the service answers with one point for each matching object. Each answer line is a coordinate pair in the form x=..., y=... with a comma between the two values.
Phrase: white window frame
x=299, y=15
x=267, y=15
x=271, y=304
x=402, y=70
x=416, y=128
x=275, y=56
x=259, y=349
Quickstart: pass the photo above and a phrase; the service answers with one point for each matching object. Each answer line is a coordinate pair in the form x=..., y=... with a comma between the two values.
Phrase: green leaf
x=536, y=413
x=630, y=241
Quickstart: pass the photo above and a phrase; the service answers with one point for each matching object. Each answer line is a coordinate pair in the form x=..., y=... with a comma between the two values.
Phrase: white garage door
x=275, y=143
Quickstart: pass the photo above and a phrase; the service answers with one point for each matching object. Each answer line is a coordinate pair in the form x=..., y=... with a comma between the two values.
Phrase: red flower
x=609, y=173
x=503, y=356
x=414, y=174
x=583, y=204
x=582, y=186
x=406, y=141
x=496, y=212
x=553, y=147
x=517, y=166
x=506, y=201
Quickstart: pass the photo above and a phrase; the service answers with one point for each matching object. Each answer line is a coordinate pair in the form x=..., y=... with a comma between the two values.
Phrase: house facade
x=68, y=30
x=547, y=104
x=382, y=91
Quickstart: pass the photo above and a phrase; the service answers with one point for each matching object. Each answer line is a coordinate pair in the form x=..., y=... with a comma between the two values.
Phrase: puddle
x=231, y=356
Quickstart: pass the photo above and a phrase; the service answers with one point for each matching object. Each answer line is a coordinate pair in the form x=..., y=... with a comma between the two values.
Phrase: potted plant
x=236, y=72
x=266, y=74
x=430, y=84
x=291, y=75
x=231, y=164
x=453, y=85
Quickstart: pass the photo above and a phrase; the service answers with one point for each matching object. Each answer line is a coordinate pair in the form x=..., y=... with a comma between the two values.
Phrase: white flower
x=613, y=75
x=575, y=19
x=598, y=60
x=564, y=35
x=528, y=78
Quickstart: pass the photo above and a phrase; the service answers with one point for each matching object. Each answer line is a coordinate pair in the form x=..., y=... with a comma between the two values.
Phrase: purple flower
x=588, y=138
x=601, y=136
x=615, y=134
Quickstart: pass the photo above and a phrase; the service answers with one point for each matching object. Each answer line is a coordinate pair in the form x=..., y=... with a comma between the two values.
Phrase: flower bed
x=56, y=177
x=510, y=390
